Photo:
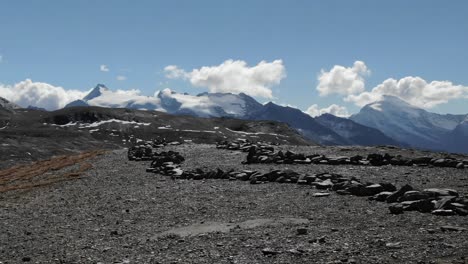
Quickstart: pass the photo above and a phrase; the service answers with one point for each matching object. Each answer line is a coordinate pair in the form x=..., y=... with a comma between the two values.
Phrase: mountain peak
x=96, y=92
x=5, y=104
x=391, y=103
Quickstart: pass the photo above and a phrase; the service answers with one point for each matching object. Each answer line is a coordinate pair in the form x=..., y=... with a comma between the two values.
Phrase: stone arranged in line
x=167, y=163
x=144, y=151
x=244, y=145
x=256, y=155
x=436, y=201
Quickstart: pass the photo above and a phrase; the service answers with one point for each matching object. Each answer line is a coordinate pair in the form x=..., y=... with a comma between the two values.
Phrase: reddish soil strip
x=43, y=173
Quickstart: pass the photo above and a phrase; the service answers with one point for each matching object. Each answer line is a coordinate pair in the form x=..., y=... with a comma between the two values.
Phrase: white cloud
x=349, y=82
x=333, y=109
x=343, y=80
x=1, y=58
x=173, y=72
x=234, y=76
x=414, y=90
x=39, y=94
x=104, y=68
x=121, y=78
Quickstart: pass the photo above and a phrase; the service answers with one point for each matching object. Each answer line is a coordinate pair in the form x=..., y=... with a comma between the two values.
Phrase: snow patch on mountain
x=407, y=123
x=7, y=105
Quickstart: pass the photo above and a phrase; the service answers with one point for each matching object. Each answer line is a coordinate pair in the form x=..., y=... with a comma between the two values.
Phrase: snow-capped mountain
x=409, y=124
x=239, y=106
x=208, y=104
x=7, y=105
x=390, y=121
x=355, y=133
x=104, y=97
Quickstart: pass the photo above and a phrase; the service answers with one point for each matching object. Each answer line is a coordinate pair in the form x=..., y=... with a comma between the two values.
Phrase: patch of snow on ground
x=66, y=125
x=96, y=124
x=198, y=131
x=255, y=133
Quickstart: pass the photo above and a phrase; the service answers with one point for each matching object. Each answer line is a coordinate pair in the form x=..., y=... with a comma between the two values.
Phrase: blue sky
x=63, y=43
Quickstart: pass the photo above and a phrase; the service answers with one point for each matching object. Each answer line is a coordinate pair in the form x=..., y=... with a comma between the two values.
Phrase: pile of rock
x=243, y=144
x=140, y=152
x=257, y=155
x=167, y=163
x=143, y=151
x=162, y=142
x=435, y=201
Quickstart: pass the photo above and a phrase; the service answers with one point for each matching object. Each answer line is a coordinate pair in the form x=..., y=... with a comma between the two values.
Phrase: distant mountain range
x=239, y=106
x=390, y=121
x=415, y=126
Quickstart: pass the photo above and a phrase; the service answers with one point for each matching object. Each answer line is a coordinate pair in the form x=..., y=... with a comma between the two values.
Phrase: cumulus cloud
x=173, y=72
x=343, y=80
x=333, y=109
x=121, y=78
x=233, y=76
x=349, y=82
x=39, y=94
x=104, y=68
x=414, y=90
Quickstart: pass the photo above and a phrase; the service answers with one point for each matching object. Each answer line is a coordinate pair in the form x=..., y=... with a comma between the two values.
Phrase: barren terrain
x=115, y=212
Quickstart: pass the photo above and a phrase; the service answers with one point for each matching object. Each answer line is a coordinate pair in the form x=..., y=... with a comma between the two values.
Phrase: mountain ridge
x=409, y=124
x=231, y=105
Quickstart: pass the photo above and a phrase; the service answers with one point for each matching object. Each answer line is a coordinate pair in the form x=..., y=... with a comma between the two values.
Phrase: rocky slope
x=33, y=134
x=355, y=133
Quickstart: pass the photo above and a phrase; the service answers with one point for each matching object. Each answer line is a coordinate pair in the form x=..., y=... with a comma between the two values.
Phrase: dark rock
x=413, y=196
x=388, y=187
x=373, y=189
x=356, y=188
x=453, y=228
x=396, y=209
x=436, y=192
x=382, y=196
x=281, y=179
x=376, y=159
x=355, y=159
x=270, y=252
x=461, y=211
x=396, y=195
x=422, y=160
x=423, y=206
x=443, y=202
x=302, y=231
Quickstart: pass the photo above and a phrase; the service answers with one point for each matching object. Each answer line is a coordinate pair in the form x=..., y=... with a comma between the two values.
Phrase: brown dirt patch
x=46, y=172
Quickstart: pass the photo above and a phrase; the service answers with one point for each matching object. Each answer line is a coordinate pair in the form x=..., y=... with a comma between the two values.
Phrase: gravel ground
x=118, y=213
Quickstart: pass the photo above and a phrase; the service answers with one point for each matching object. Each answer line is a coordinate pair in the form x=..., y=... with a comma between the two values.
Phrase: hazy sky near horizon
x=300, y=53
